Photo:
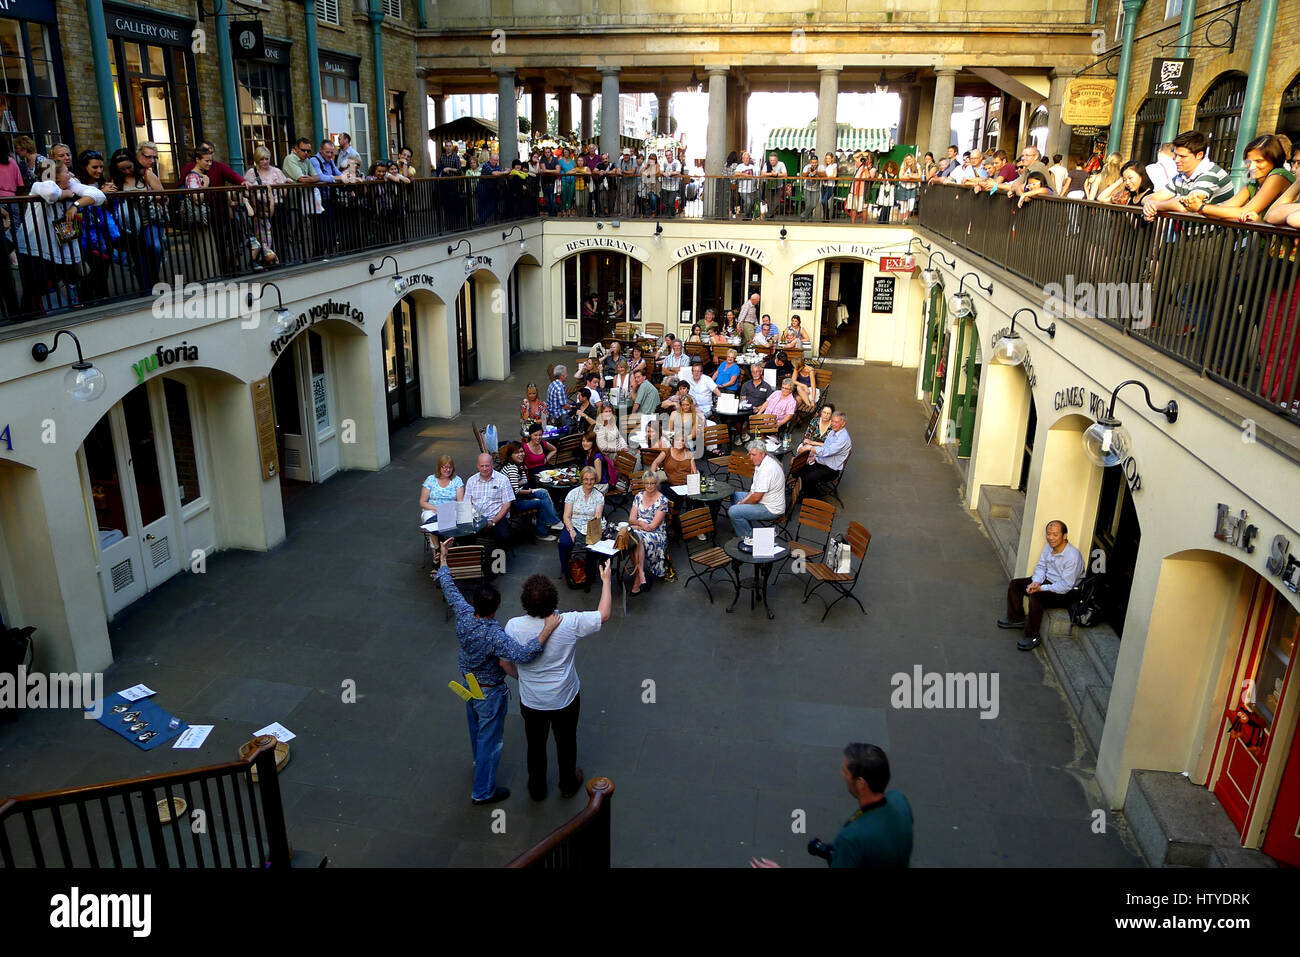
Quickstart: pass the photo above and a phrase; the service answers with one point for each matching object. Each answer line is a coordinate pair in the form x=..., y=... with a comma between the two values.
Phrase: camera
x=819, y=848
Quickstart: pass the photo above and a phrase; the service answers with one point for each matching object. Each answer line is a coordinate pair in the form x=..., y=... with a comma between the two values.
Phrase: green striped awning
x=847, y=139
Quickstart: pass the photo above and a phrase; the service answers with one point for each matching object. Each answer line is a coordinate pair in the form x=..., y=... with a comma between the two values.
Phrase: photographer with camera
x=879, y=835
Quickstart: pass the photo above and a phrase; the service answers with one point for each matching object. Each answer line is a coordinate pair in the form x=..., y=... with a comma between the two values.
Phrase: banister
x=599, y=792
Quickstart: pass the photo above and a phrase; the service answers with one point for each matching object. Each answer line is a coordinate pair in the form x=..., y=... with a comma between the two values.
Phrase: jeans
x=669, y=198
x=487, y=730
x=537, y=728
x=747, y=204
x=743, y=516
x=540, y=502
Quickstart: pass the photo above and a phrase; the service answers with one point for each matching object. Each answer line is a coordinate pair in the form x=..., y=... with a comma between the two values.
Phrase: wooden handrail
x=599, y=792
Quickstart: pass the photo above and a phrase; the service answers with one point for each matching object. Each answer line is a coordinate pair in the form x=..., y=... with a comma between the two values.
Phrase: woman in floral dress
x=649, y=522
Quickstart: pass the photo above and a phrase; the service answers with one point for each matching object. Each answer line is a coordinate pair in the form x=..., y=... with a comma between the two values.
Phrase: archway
x=600, y=288
x=717, y=282
x=1066, y=489
x=1218, y=116
x=526, y=313
x=1003, y=432
x=1147, y=126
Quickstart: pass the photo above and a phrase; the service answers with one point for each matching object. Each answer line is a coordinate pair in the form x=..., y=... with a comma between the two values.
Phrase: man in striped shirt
x=556, y=404
x=1199, y=180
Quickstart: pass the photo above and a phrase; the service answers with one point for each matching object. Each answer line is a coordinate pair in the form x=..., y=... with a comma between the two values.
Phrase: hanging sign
x=801, y=293
x=1088, y=101
x=315, y=313
x=1171, y=78
x=247, y=41
x=897, y=263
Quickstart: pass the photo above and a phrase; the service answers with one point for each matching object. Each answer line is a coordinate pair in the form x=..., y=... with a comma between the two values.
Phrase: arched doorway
x=1147, y=128
x=717, y=281
x=1117, y=535
x=1067, y=489
x=1218, y=116
x=1288, y=117
x=841, y=308
x=466, y=317
x=401, y=365
x=601, y=288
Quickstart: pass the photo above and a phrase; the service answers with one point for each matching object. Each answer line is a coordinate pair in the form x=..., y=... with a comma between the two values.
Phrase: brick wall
x=281, y=19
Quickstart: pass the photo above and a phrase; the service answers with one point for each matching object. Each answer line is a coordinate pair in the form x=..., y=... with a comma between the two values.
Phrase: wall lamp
x=1011, y=349
x=929, y=275
x=523, y=243
x=784, y=232
x=1106, y=442
x=960, y=302
x=469, y=256
x=659, y=230
x=399, y=284
x=83, y=381
x=283, y=323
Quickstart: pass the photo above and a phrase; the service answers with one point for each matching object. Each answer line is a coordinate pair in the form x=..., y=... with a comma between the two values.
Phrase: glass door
x=157, y=530
x=295, y=445
x=466, y=342
x=401, y=367
x=512, y=305
x=121, y=559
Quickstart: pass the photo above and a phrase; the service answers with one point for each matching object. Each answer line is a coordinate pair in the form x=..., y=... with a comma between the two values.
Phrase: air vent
x=160, y=552
x=123, y=575
x=292, y=459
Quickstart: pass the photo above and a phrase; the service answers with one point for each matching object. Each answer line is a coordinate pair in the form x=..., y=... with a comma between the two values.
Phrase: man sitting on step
x=1060, y=567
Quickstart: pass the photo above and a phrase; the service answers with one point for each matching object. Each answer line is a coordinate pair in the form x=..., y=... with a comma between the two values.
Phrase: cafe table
x=742, y=554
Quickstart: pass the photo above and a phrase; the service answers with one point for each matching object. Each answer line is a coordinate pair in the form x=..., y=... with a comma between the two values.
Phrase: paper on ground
x=280, y=732
x=137, y=692
x=192, y=737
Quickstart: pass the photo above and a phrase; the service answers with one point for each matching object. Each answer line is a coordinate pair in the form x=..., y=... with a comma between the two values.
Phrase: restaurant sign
x=1088, y=101
x=330, y=308
x=1235, y=530
x=733, y=246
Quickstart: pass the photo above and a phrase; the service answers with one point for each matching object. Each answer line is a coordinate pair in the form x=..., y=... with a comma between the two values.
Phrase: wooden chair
x=762, y=426
x=465, y=563
x=822, y=352
x=704, y=557
x=739, y=466
x=720, y=353
x=815, y=515
x=823, y=384
x=832, y=487
x=568, y=449
x=478, y=437
x=621, y=493
x=654, y=329
x=697, y=350
x=718, y=437
x=623, y=331
x=818, y=574
x=665, y=390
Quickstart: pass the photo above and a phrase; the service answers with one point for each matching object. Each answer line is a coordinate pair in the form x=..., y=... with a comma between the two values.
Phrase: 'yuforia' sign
x=330, y=308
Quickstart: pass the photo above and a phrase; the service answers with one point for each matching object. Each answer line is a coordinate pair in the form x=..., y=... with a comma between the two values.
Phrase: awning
x=847, y=138
x=471, y=128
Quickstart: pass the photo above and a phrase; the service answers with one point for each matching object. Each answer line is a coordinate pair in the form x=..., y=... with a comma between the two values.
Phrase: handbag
x=194, y=214
x=68, y=232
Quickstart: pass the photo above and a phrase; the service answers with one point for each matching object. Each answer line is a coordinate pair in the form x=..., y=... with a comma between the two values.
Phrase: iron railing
x=122, y=824
x=582, y=843
x=1219, y=297
x=136, y=239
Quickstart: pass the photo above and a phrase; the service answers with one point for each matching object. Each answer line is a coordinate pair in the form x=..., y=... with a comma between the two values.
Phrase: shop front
x=401, y=365
x=265, y=91
x=33, y=88
x=718, y=281
x=155, y=84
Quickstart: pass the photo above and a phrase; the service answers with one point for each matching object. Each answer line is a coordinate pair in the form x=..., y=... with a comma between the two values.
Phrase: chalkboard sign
x=933, y=425
x=801, y=293
x=882, y=294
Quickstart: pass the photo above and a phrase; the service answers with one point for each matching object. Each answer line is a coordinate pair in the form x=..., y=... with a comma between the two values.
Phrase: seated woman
x=686, y=422
x=612, y=358
x=585, y=414
x=581, y=505
x=622, y=390
x=781, y=404
x=652, y=443
x=695, y=334
x=1268, y=180
x=814, y=436
x=533, y=408
x=537, y=454
x=805, y=383
x=609, y=437
x=638, y=361
x=443, y=486
x=794, y=336
x=727, y=377
x=648, y=518
x=676, y=463
x=716, y=336
x=527, y=498
x=594, y=458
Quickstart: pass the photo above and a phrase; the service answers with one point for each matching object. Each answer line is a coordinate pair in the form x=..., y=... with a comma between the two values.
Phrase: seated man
x=826, y=458
x=647, y=396
x=768, y=334
x=702, y=388
x=765, y=500
x=676, y=360
x=756, y=390
x=1059, y=569
x=492, y=495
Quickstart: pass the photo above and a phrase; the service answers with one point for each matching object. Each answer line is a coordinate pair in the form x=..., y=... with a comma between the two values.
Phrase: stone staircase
x=1002, y=510
x=1084, y=660
x=1181, y=824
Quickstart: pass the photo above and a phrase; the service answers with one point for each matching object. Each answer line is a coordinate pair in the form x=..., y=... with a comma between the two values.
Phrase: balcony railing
x=123, y=248
x=1219, y=297
x=582, y=842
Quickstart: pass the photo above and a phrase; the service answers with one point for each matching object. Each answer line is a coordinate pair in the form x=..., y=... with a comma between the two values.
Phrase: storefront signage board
x=264, y=421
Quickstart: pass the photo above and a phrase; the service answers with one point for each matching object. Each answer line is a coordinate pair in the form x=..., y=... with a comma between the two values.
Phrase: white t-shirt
x=702, y=392
x=747, y=183
x=831, y=171
x=671, y=171
x=769, y=480
x=550, y=682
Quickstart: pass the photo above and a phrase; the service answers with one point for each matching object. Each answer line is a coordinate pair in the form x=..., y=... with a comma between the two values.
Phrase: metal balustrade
x=1218, y=297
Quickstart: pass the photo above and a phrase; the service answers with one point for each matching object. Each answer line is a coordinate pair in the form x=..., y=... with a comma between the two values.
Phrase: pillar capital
x=829, y=69
x=609, y=70
x=503, y=71
x=714, y=69
x=946, y=70
x=1133, y=7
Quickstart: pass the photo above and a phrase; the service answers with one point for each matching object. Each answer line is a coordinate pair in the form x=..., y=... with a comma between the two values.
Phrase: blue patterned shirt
x=555, y=396
x=482, y=640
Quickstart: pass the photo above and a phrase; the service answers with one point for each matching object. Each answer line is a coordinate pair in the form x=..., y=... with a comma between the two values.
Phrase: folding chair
x=567, y=449
x=823, y=377
x=621, y=493
x=697, y=350
x=740, y=467
x=718, y=437
x=478, y=437
x=822, y=352
x=654, y=329
x=832, y=487
x=818, y=574
x=704, y=557
x=814, y=515
x=762, y=426
x=465, y=563
x=720, y=353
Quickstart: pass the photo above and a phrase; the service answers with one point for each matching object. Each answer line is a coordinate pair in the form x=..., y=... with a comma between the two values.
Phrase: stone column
x=610, y=123
x=564, y=114
x=439, y=111
x=1058, y=134
x=537, y=103
x=941, y=118
x=507, y=116
x=584, y=111
x=827, y=98
x=716, y=155
x=661, y=121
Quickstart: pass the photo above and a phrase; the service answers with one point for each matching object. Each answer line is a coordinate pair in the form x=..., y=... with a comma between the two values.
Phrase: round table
x=762, y=572
x=557, y=490
x=734, y=421
x=713, y=497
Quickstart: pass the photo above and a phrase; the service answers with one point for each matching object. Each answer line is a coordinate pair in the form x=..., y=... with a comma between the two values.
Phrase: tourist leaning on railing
x=1199, y=180
x=1137, y=186
x=1269, y=178
x=49, y=242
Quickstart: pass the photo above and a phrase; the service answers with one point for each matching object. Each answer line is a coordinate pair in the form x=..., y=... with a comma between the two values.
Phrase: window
x=1146, y=131
x=154, y=102
x=393, y=8
x=1288, y=120
x=1119, y=25
x=1173, y=8
x=1218, y=116
x=265, y=108
x=327, y=11
x=30, y=83
x=396, y=121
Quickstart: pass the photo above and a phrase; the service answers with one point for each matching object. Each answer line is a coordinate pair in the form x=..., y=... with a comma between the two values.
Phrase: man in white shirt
x=702, y=387
x=746, y=186
x=492, y=495
x=773, y=174
x=1060, y=175
x=765, y=501
x=670, y=182
x=549, y=689
x=1060, y=567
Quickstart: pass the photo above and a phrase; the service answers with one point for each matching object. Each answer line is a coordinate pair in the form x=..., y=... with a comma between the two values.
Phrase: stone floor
x=749, y=719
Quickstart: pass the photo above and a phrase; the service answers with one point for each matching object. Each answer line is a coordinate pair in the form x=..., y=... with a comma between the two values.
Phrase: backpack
x=1087, y=609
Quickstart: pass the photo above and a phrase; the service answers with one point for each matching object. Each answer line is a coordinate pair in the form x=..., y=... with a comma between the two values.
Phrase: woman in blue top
x=569, y=182
x=727, y=378
x=443, y=486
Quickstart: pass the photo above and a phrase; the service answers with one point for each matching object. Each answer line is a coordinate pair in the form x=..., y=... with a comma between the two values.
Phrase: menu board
x=801, y=293
x=264, y=420
x=882, y=294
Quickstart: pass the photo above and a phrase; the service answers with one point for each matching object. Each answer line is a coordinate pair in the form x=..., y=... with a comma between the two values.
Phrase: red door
x=1282, y=840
